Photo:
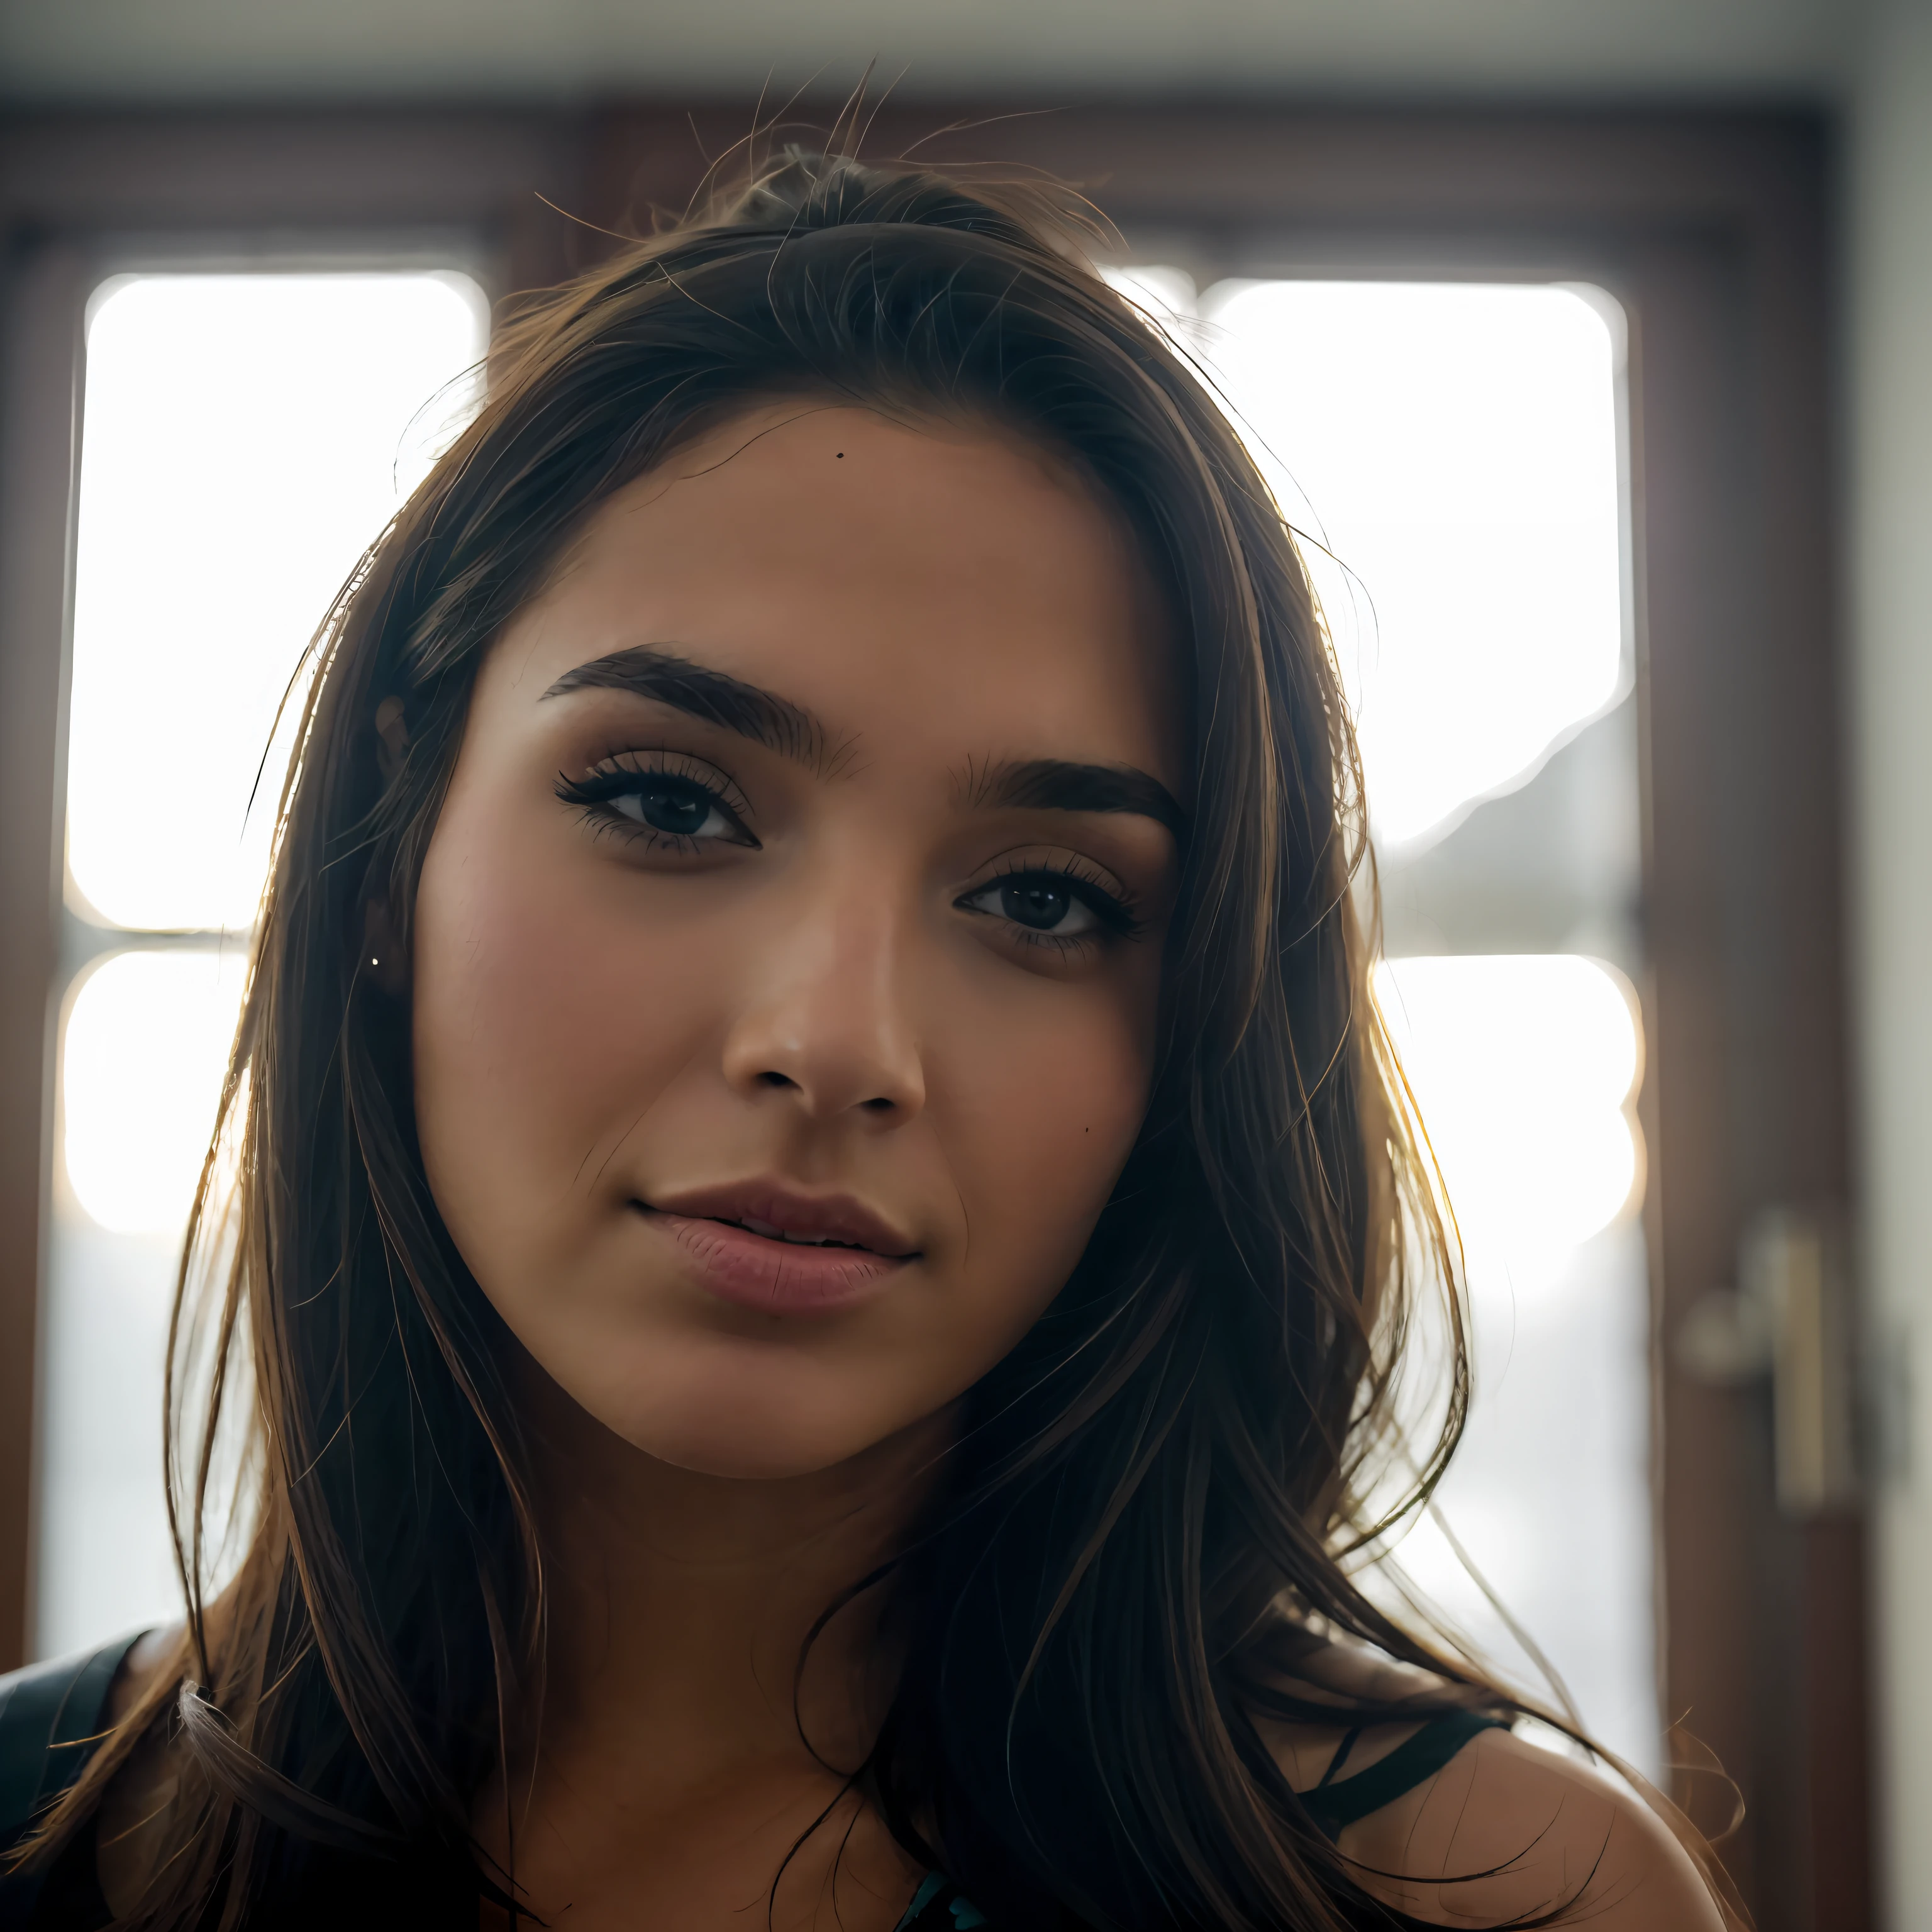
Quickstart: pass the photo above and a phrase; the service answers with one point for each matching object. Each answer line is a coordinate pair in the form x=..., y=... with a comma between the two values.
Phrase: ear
x=383, y=962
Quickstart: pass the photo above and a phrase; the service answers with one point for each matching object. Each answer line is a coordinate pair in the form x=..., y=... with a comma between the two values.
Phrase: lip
x=757, y=1270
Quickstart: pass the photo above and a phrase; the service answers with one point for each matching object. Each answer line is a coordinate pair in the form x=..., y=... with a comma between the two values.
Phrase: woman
x=821, y=1226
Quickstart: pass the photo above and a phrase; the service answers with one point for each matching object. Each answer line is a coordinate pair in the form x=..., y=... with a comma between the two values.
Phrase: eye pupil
x=1041, y=904
x=677, y=808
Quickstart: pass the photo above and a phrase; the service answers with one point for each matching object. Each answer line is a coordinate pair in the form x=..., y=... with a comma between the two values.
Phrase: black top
x=52, y=1716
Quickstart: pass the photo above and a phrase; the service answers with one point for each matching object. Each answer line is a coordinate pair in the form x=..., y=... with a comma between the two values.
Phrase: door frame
x=1712, y=229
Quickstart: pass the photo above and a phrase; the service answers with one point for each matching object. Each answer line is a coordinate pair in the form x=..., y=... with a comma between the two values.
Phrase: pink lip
x=774, y=1276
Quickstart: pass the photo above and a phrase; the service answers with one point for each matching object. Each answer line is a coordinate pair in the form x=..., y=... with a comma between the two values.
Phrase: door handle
x=1790, y=1318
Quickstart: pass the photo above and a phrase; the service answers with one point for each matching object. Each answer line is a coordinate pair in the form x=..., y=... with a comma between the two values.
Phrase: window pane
x=1449, y=453
x=143, y=1048
x=245, y=437
x=141, y=1065
x=1455, y=448
x=1525, y=1068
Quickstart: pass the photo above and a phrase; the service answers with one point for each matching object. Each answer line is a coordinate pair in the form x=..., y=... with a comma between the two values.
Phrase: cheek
x=1043, y=1120
x=543, y=1027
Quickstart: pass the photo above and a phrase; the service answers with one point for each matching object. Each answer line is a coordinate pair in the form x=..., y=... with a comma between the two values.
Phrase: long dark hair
x=1149, y=1519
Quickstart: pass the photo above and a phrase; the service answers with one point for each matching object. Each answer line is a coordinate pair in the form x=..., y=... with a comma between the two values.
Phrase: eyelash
x=1118, y=919
x=629, y=775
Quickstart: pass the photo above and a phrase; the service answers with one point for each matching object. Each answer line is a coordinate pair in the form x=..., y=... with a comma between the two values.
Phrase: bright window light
x=1455, y=447
x=245, y=437
x=146, y=1044
x=1524, y=1066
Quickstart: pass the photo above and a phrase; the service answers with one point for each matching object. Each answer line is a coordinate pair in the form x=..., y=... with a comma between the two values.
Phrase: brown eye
x=673, y=805
x=675, y=809
x=1040, y=901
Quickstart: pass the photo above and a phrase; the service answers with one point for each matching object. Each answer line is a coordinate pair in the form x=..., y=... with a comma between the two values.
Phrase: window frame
x=1713, y=230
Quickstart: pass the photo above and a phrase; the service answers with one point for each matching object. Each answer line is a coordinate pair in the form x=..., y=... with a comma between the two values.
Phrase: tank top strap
x=1337, y=1802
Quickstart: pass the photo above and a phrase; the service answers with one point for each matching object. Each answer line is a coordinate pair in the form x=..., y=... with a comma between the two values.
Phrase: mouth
x=769, y=1232
x=770, y=1248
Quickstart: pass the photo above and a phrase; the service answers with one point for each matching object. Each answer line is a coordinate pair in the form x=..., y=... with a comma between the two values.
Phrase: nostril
x=769, y=1079
x=879, y=1105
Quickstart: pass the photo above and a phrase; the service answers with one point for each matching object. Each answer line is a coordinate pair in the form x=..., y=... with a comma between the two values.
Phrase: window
x=246, y=437
x=1714, y=229
x=1450, y=455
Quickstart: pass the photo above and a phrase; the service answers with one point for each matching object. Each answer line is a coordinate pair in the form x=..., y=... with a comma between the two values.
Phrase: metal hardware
x=1790, y=1318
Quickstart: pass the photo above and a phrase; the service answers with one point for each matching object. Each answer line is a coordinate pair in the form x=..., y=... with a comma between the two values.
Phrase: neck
x=680, y=1604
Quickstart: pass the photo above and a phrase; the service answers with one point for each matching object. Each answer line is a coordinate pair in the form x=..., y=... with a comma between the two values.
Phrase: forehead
x=949, y=584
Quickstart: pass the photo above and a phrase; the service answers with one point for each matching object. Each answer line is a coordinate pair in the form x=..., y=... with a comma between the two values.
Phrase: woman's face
x=787, y=955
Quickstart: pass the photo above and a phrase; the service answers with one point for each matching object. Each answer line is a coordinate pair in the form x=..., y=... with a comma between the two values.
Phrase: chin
x=712, y=1452
x=743, y=1436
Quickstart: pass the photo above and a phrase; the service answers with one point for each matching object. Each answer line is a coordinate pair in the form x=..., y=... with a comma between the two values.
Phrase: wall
x=1891, y=576
x=197, y=51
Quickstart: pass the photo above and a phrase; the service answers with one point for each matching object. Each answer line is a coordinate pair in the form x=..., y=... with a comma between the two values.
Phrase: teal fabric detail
x=937, y=1907
x=929, y=1889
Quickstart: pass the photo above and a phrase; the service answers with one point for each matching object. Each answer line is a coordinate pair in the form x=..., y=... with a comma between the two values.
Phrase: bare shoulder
x=1507, y=1830
x=136, y=1808
x=152, y=1653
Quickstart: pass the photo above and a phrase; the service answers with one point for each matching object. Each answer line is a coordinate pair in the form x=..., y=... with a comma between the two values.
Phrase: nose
x=826, y=1021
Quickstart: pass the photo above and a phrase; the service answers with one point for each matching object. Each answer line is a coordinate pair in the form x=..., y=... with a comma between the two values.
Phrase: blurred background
x=1588, y=346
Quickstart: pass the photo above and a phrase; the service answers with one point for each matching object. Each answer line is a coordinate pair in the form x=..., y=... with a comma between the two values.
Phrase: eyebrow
x=1057, y=784
x=715, y=697
x=711, y=696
